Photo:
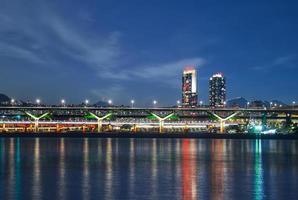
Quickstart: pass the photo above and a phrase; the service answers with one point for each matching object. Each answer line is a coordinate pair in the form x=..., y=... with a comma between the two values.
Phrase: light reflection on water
x=61, y=168
x=36, y=186
x=65, y=168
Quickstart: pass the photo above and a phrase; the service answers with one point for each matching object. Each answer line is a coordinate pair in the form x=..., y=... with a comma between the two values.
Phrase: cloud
x=57, y=38
x=167, y=70
x=288, y=61
x=44, y=37
x=98, y=53
x=7, y=50
x=113, y=92
x=163, y=72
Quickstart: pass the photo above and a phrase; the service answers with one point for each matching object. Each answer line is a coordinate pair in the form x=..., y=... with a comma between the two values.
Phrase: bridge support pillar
x=161, y=125
x=264, y=120
x=36, y=123
x=134, y=129
x=36, y=119
x=99, y=125
x=186, y=129
x=162, y=121
x=3, y=127
x=222, y=121
x=100, y=120
x=222, y=126
x=288, y=120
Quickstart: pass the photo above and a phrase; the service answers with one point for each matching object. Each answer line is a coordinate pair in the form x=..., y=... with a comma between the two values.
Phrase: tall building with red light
x=189, y=87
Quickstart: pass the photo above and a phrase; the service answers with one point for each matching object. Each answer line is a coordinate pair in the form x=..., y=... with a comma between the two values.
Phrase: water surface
x=69, y=168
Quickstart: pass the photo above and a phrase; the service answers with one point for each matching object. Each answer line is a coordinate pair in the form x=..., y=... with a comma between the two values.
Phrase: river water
x=82, y=168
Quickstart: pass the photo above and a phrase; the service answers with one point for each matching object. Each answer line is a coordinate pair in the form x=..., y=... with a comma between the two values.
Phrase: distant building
x=257, y=104
x=4, y=100
x=238, y=102
x=189, y=87
x=217, y=90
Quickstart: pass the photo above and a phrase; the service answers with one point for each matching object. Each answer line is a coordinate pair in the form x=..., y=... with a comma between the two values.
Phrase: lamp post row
x=132, y=102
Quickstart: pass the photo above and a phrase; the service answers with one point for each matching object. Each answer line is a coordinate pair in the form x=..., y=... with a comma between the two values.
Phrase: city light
x=62, y=101
x=37, y=101
x=86, y=101
x=110, y=102
x=217, y=90
x=12, y=101
x=132, y=102
x=178, y=102
x=189, y=86
x=154, y=102
x=201, y=103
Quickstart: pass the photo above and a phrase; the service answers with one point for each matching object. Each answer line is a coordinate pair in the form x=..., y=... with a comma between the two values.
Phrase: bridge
x=176, y=119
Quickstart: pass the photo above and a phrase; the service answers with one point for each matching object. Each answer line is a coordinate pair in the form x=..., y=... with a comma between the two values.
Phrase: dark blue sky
x=137, y=49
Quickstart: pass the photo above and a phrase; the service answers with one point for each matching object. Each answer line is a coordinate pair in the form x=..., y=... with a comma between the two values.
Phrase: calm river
x=78, y=168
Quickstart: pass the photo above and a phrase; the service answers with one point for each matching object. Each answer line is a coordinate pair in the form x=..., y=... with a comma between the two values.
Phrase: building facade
x=189, y=87
x=217, y=90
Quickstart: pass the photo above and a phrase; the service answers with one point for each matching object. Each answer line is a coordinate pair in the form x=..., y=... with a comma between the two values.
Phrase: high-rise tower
x=189, y=87
x=217, y=90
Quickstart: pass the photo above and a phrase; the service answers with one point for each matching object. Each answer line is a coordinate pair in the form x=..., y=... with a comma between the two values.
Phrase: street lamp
x=86, y=102
x=154, y=102
x=247, y=105
x=37, y=101
x=132, y=102
x=293, y=103
x=110, y=102
x=225, y=103
x=271, y=104
x=62, y=102
x=12, y=101
x=178, y=103
x=201, y=103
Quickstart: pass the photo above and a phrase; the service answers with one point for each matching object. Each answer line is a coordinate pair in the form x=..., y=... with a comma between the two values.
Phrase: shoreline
x=148, y=135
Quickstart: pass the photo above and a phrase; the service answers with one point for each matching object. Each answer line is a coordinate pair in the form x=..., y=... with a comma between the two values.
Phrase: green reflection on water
x=258, y=184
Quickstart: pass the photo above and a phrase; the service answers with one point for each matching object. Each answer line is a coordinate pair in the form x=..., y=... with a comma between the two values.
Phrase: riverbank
x=152, y=135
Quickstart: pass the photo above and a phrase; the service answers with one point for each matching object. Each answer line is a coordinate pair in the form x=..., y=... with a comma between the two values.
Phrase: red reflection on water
x=188, y=158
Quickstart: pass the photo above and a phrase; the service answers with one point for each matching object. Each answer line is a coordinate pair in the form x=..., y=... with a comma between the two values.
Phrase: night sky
x=95, y=49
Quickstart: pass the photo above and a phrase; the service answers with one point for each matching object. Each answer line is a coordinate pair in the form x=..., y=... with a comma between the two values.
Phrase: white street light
x=201, y=103
x=110, y=102
x=247, y=104
x=154, y=102
x=62, y=102
x=12, y=101
x=86, y=102
x=178, y=102
x=38, y=101
x=132, y=102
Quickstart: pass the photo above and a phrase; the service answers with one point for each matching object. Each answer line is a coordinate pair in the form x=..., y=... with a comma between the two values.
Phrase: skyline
x=53, y=50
